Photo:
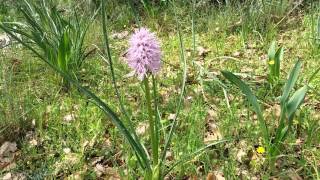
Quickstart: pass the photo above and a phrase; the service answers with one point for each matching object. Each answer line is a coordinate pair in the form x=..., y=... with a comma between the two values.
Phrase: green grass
x=28, y=93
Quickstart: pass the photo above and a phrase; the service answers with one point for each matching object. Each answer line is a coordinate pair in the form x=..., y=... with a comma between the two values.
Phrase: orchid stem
x=151, y=124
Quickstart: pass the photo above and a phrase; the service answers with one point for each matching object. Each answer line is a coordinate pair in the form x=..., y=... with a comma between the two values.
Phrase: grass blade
x=180, y=101
x=313, y=75
x=114, y=82
x=103, y=106
x=251, y=98
x=190, y=156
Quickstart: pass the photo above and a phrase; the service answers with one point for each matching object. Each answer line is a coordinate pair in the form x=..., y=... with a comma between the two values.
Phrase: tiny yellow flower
x=271, y=62
x=260, y=150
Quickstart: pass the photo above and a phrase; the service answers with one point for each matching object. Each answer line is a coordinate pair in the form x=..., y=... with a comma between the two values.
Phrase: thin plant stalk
x=153, y=137
x=108, y=52
x=180, y=102
x=314, y=75
x=193, y=32
x=114, y=81
x=156, y=110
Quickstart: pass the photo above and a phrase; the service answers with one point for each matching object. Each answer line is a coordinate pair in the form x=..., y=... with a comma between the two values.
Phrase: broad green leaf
x=272, y=50
x=278, y=59
x=251, y=98
x=295, y=101
x=290, y=108
x=293, y=76
x=282, y=134
x=272, y=61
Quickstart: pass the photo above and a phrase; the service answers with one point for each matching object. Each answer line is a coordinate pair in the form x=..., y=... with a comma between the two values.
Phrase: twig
x=295, y=7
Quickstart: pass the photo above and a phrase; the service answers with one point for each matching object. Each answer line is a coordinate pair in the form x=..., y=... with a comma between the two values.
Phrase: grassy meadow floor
x=63, y=135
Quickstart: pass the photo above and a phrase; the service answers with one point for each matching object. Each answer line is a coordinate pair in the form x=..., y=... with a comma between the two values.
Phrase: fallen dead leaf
x=7, y=147
x=69, y=117
x=95, y=160
x=99, y=169
x=69, y=160
x=215, y=176
x=213, y=115
x=12, y=176
x=120, y=35
x=33, y=142
x=210, y=137
x=203, y=52
x=169, y=156
x=236, y=54
x=108, y=172
x=142, y=128
x=212, y=131
x=4, y=40
x=112, y=174
x=66, y=150
x=241, y=154
x=7, y=155
x=172, y=116
x=294, y=176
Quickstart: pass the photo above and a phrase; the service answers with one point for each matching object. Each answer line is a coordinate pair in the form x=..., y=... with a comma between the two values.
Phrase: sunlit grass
x=29, y=94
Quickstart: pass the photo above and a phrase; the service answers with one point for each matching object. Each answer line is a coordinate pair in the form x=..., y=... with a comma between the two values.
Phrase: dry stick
x=295, y=7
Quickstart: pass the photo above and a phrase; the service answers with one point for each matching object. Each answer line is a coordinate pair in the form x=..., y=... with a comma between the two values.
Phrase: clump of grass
x=48, y=33
x=288, y=105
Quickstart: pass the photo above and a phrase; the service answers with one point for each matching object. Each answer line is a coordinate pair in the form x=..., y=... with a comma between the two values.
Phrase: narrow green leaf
x=140, y=150
x=136, y=145
x=278, y=59
x=314, y=75
x=192, y=155
x=183, y=84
